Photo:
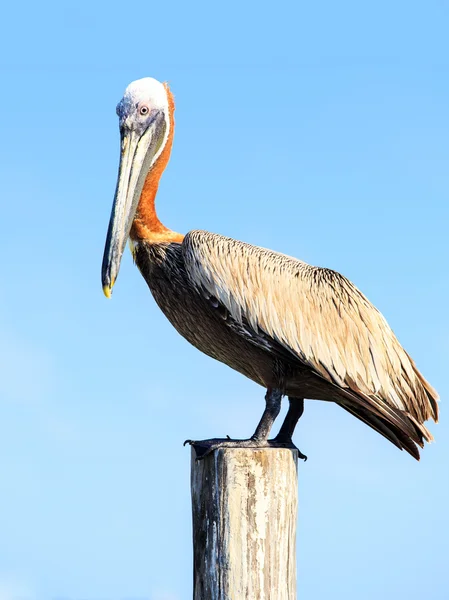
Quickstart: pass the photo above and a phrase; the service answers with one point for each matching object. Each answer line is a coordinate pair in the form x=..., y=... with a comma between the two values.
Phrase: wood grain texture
x=244, y=507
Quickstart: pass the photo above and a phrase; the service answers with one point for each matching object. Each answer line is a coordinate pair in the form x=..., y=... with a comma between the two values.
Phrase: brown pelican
x=295, y=329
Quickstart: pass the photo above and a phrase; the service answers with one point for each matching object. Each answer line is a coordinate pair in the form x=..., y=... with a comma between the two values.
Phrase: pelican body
x=295, y=329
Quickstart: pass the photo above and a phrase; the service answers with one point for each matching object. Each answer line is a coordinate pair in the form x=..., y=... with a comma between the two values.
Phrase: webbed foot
x=205, y=447
x=281, y=439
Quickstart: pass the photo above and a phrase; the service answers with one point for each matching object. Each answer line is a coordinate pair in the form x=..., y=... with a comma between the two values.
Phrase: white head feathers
x=148, y=91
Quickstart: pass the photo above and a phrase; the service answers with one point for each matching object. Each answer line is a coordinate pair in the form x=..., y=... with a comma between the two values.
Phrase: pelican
x=297, y=330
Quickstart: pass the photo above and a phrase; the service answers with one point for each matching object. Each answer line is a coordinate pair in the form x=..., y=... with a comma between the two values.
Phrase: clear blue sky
x=318, y=129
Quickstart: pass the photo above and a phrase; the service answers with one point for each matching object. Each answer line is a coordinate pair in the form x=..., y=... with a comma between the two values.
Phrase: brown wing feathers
x=327, y=323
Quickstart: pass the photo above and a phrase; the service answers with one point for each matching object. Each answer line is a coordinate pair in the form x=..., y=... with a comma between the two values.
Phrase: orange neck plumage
x=146, y=225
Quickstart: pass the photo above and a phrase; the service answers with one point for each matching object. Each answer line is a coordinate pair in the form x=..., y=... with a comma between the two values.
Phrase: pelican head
x=144, y=127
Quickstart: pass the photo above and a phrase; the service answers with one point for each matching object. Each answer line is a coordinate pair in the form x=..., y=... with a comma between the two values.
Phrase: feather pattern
x=322, y=320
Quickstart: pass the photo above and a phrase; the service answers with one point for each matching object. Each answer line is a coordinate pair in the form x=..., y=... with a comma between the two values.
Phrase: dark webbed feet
x=205, y=447
x=288, y=443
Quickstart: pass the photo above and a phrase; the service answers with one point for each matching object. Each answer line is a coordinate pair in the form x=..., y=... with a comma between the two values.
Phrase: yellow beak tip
x=107, y=291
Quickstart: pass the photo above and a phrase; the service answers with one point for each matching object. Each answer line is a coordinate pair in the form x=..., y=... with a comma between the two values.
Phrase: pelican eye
x=144, y=110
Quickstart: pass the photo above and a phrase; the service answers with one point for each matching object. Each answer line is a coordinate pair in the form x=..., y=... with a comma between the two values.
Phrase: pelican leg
x=259, y=439
x=295, y=410
x=273, y=400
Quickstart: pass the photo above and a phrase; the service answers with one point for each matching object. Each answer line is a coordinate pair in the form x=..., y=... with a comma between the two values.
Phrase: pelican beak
x=138, y=151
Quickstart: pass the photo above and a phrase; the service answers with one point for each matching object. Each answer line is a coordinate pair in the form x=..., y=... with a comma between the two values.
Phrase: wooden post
x=244, y=505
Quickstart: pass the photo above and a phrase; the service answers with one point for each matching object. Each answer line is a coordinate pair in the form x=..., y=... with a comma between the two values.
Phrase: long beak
x=137, y=156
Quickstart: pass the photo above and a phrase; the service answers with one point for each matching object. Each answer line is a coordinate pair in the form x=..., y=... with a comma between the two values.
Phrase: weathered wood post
x=244, y=506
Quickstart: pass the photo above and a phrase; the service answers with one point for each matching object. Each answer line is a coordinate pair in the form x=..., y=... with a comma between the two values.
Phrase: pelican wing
x=321, y=318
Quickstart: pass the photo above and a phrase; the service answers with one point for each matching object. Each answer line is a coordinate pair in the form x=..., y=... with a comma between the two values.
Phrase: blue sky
x=317, y=129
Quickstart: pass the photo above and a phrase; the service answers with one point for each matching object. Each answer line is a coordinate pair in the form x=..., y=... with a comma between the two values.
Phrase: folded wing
x=322, y=319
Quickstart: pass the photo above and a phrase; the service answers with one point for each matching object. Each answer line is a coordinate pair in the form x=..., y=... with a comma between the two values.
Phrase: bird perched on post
x=295, y=329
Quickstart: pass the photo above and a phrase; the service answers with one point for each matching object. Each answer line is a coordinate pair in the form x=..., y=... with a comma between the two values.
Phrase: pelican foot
x=280, y=439
x=205, y=447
